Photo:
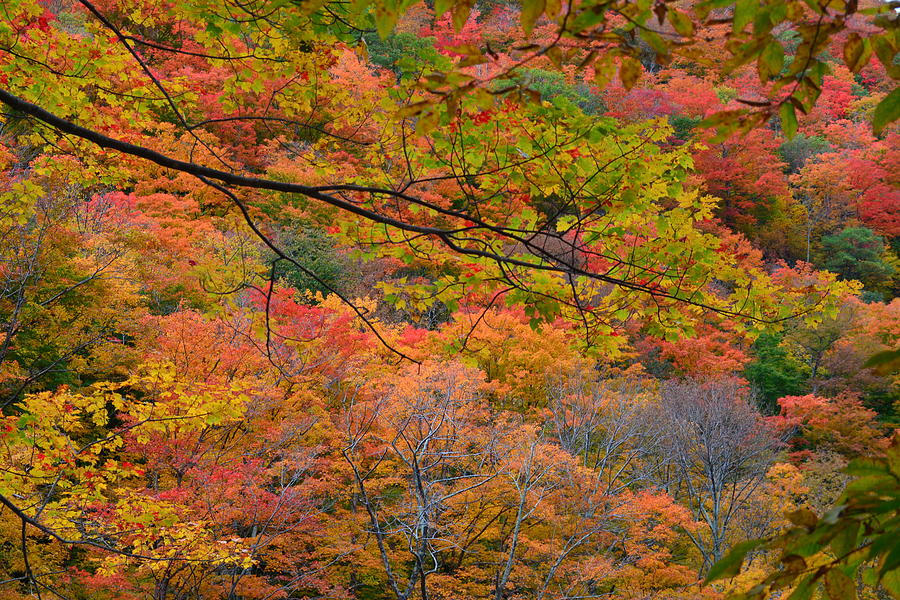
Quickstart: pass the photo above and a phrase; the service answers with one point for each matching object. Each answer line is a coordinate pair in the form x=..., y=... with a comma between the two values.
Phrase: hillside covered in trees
x=449, y=300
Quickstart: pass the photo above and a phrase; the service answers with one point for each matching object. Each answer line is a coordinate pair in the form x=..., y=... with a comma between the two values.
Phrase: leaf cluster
x=857, y=538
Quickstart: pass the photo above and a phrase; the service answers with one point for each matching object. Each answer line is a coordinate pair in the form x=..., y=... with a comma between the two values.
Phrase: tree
x=797, y=151
x=320, y=257
x=719, y=449
x=606, y=422
x=59, y=257
x=810, y=346
x=842, y=425
x=773, y=373
x=414, y=455
x=873, y=331
x=857, y=253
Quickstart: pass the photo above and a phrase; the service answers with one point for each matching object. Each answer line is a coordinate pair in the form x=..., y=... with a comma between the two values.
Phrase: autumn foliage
x=453, y=301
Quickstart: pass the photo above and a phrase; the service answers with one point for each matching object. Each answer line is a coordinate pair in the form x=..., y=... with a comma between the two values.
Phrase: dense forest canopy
x=449, y=300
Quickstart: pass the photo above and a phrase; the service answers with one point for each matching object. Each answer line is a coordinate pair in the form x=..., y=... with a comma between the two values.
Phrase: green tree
x=331, y=267
x=774, y=374
x=857, y=253
x=801, y=148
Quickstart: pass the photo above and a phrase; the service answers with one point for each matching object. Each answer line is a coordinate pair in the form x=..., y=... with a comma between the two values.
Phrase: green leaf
x=681, y=22
x=887, y=111
x=629, y=71
x=730, y=564
x=656, y=42
x=564, y=223
x=531, y=12
x=885, y=48
x=555, y=54
x=461, y=12
x=441, y=6
x=771, y=60
x=385, y=20
x=846, y=540
x=804, y=590
x=869, y=484
x=427, y=122
x=744, y=11
x=853, y=52
x=866, y=466
x=890, y=581
x=803, y=518
x=884, y=363
x=838, y=586
x=794, y=563
x=788, y=120
x=891, y=562
x=552, y=8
